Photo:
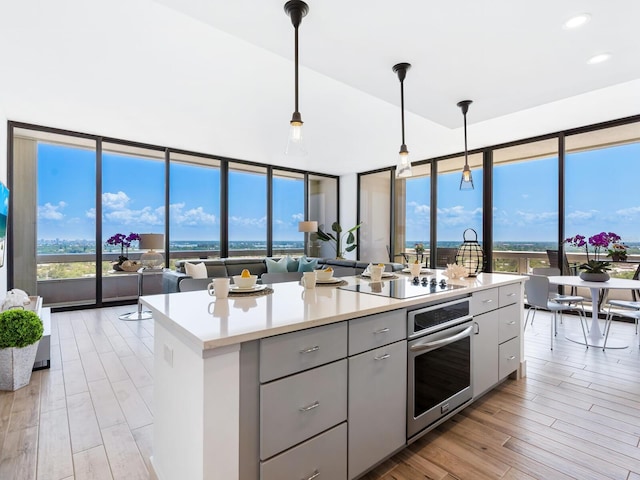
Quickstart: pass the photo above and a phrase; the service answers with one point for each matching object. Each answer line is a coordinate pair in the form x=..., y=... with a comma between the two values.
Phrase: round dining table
x=595, y=337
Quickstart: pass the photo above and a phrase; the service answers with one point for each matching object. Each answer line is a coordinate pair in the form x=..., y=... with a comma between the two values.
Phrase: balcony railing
x=80, y=289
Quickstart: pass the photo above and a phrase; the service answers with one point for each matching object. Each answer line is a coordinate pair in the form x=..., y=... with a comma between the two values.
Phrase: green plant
x=338, y=237
x=19, y=328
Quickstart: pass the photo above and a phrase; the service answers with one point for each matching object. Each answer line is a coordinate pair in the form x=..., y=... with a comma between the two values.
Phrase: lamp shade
x=308, y=226
x=151, y=241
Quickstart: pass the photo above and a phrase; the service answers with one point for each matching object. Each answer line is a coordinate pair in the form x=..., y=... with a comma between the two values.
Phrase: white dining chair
x=625, y=309
x=537, y=292
x=553, y=290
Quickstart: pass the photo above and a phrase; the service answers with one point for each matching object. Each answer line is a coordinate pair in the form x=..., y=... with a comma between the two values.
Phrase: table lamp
x=310, y=226
x=151, y=242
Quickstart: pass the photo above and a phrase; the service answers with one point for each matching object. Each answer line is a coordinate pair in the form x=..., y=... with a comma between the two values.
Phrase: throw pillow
x=307, y=265
x=196, y=270
x=292, y=264
x=276, y=266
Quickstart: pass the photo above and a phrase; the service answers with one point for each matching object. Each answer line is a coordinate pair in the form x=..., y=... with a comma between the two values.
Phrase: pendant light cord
x=466, y=160
x=295, y=56
x=402, y=107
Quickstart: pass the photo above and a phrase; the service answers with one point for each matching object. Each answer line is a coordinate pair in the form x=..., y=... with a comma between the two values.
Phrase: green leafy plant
x=19, y=328
x=338, y=238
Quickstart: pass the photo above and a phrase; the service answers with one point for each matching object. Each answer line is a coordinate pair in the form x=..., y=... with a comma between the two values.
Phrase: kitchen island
x=222, y=373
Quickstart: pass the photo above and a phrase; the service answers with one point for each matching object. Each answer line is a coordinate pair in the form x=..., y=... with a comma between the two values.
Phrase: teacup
x=219, y=287
x=309, y=279
x=375, y=271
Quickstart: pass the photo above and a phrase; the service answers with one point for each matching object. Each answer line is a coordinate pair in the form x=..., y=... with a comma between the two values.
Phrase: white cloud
x=580, y=215
x=456, y=216
x=536, y=217
x=115, y=201
x=419, y=208
x=191, y=217
x=628, y=212
x=248, y=222
x=297, y=217
x=51, y=212
x=144, y=217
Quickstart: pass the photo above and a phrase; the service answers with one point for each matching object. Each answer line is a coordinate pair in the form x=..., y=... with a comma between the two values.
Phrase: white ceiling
x=216, y=76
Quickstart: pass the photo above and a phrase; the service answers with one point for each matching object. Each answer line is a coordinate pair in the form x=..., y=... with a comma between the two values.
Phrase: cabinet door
x=377, y=405
x=485, y=352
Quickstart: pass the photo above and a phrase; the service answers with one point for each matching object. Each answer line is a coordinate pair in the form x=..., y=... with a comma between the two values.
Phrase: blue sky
x=601, y=194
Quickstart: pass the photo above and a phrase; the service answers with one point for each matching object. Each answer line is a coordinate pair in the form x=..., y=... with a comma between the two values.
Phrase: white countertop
x=205, y=323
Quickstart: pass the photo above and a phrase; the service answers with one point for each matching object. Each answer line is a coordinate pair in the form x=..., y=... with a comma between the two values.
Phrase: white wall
x=348, y=205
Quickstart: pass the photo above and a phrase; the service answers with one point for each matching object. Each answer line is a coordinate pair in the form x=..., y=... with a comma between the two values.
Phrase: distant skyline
x=600, y=195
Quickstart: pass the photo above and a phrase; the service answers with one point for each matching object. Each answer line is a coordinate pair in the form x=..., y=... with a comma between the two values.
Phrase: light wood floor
x=576, y=415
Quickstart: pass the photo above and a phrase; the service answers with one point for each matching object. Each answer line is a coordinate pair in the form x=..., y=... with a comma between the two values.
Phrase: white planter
x=16, y=365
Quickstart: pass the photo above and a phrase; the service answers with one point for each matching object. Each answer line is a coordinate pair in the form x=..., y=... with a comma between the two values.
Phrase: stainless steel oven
x=439, y=369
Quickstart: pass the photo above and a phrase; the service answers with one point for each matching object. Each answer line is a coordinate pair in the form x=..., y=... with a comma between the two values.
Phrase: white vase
x=16, y=365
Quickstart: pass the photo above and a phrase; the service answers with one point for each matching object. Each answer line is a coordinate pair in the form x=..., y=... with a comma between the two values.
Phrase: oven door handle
x=421, y=347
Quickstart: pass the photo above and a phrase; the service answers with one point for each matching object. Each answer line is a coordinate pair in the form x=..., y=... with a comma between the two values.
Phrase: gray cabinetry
x=303, y=404
x=377, y=405
x=496, y=343
x=377, y=389
x=485, y=352
x=324, y=456
x=297, y=407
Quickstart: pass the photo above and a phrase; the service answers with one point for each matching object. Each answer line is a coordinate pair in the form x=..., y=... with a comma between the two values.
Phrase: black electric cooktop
x=400, y=288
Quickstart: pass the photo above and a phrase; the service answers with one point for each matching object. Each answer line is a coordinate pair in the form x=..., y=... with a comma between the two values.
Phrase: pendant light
x=403, y=168
x=296, y=10
x=466, y=181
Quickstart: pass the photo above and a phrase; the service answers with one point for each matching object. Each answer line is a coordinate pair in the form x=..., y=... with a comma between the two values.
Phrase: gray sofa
x=227, y=267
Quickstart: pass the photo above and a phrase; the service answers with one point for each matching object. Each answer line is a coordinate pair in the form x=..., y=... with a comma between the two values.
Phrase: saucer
x=254, y=288
x=384, y=274
x=331, y=280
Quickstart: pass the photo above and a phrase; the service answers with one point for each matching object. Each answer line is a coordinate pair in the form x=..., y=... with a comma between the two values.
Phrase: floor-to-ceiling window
x=525, y=205
x=288, y=211
x=133, y=202
x=323, y=208
x=194, y=207
x=62, y=249
x=601, y=185
x=247, y=220
x=375, y=216
x=412, y=215
x=88, y=189
x=458, y=210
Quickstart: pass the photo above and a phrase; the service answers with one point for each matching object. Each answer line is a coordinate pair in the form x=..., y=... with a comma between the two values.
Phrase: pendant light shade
x=466, y=181
x=296, y=10
x=403, y=169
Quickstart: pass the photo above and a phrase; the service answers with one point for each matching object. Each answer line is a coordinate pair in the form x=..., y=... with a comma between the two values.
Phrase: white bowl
x=324, y=275
x=245, y=282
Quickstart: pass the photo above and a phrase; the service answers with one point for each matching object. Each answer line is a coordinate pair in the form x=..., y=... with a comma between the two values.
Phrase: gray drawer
x=509, y=323
x=509, y=294
x=375, y=331
x=294, y=352
x=509, y=357
x=298, y=407
x=484, y=301
x=325, y=455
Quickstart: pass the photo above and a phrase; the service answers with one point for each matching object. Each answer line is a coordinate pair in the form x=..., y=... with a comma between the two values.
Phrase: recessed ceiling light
x=577, y=21
x=601, y=57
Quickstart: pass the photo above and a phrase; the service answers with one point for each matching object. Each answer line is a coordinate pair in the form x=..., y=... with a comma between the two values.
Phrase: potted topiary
x=20, y=333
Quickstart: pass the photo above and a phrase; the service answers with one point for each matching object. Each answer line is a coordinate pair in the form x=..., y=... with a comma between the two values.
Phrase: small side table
x=139, y=314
